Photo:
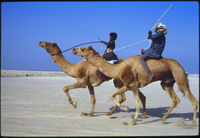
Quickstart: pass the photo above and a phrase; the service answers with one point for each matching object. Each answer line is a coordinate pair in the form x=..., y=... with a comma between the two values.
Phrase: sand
x=34, y=104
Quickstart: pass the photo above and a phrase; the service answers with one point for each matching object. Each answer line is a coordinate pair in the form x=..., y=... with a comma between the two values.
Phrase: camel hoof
x=111, y=96
x=125, y=108
x=86, y=115
x=109, y=113
x=163, y=119
x=182, y=124
x=74, y=104
x=193, y=123
x=129, y=124
x=144, y=115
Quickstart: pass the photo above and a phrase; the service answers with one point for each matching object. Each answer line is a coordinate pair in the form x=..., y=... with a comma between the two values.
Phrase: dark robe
x=157, y=46
x=111, y=55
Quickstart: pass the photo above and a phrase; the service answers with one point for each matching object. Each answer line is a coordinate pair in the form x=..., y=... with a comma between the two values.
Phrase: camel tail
x=180, y=76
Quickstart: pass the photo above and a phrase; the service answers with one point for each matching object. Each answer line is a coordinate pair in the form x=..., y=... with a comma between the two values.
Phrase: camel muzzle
x=40, y=44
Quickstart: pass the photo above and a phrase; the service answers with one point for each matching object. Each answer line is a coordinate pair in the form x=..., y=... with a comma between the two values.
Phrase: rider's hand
x=150, y=32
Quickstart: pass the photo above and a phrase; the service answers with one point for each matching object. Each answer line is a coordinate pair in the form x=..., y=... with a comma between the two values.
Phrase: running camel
x=86, y=75
x=132, y=74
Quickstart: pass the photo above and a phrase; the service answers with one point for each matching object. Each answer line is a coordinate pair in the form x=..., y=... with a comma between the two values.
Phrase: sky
x=25, y=24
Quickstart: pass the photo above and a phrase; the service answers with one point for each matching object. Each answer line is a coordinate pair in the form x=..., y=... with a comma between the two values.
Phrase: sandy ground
x=35, y=105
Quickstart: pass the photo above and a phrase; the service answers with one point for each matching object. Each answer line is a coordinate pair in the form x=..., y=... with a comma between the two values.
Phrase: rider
x=156, y=48
x=109, y=55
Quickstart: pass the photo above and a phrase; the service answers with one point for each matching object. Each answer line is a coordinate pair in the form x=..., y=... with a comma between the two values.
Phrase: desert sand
x=34, y=104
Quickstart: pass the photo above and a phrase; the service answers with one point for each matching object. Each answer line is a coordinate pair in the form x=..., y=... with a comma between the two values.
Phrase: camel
x=132, y=74
x=86, y=75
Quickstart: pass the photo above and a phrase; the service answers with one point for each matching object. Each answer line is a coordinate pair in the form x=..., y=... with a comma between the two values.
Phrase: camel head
x=85, y=52
x=51, y=48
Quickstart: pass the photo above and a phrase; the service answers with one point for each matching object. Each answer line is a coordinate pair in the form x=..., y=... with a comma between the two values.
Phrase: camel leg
x=113, y=95
x=138, y=106
x=92, y=99
x=143, y=100
x=194, y=104
x=181, y=79
x=118, y=84
x=73, y=86
x=122, y=98
x=168, y=87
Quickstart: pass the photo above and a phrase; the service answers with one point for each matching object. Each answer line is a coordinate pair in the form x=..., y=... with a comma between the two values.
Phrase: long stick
x=161, y=17
x=156, y=24
x=124, y=46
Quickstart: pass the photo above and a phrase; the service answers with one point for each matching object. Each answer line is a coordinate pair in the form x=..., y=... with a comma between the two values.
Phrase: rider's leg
x=143, y=60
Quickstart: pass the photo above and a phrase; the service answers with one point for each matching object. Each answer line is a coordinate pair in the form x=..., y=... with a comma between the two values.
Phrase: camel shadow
x=160, y=112
x=96, y=114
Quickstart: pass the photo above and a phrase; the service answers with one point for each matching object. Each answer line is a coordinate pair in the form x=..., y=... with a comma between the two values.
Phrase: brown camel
x=132, y=74
x=86, y=75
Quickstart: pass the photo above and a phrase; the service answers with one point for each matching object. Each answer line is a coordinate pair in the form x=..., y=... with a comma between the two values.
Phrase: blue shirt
x=157, y=45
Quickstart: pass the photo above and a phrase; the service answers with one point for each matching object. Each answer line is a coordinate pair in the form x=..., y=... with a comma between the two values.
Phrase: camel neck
x=67, y=67
x=110, y=70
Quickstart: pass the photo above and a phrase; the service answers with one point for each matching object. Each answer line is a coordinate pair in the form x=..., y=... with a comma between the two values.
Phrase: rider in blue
x=156, y=48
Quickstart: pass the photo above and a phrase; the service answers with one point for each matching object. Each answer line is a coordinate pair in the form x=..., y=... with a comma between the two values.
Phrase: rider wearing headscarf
x=109, y=55
x=156, y=48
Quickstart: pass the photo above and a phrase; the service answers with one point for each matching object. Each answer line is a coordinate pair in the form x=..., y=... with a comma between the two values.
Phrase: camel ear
x=55, y=44
x=93, y=51
x=90, y=48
